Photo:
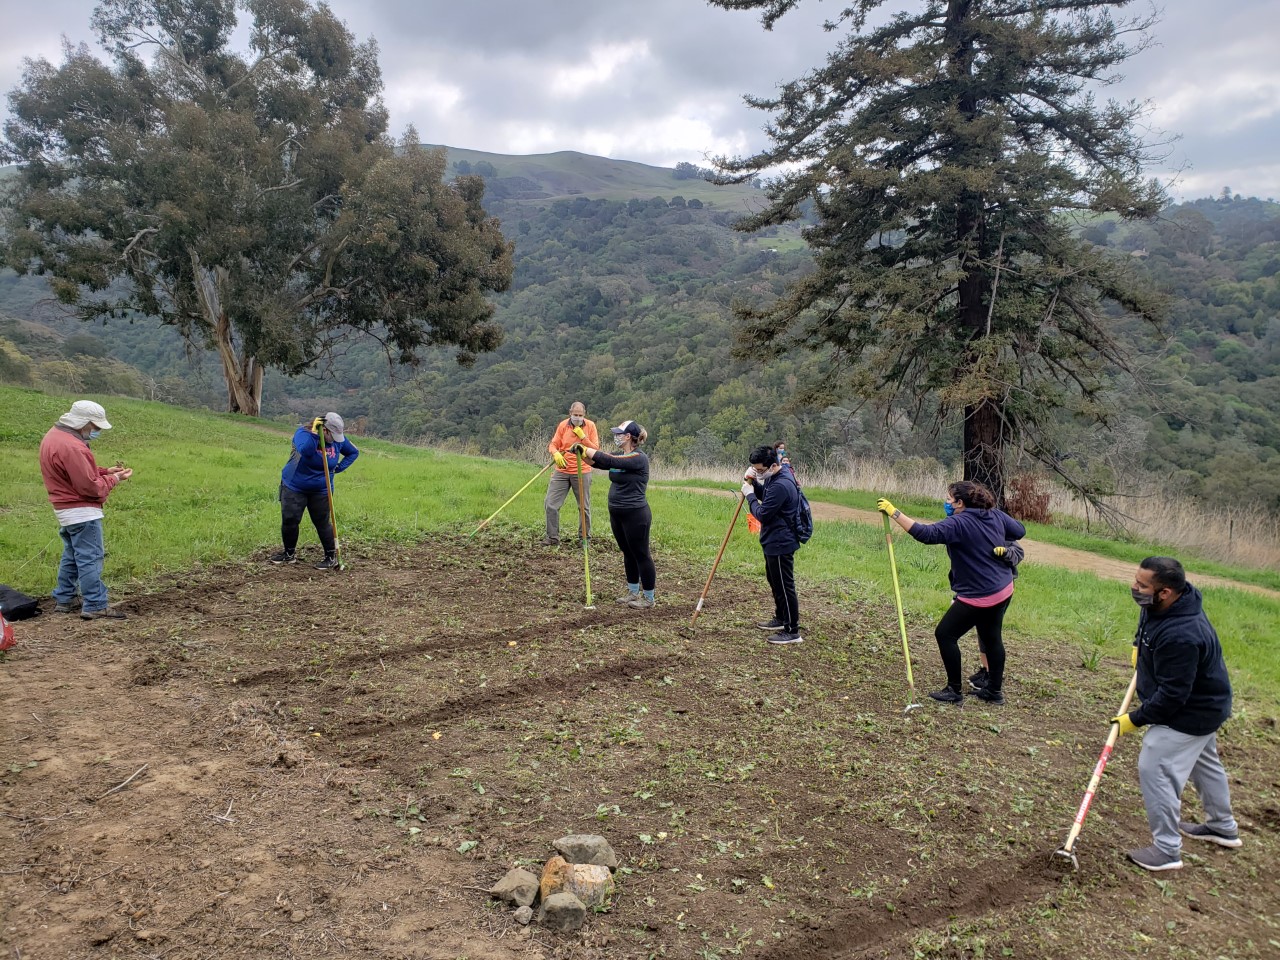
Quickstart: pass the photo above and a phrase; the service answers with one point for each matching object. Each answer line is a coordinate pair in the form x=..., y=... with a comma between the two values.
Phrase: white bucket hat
x=83, y=413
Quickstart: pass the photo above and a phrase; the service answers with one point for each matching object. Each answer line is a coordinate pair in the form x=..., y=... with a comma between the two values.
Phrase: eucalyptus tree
x=249, y=198
x=945, y=149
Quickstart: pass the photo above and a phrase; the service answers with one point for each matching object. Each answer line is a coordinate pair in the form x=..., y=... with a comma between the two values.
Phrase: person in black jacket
x=629, y=514
x=772, y=497
x=1186, y=697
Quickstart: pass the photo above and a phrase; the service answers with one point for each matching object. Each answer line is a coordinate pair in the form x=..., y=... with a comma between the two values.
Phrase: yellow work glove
x=885, y=507
x=1133, y=657
x=1126, y=725
x=580, y=433
x=317, y=425
x=1000, y=551
x=578, y=450
x=561, y=462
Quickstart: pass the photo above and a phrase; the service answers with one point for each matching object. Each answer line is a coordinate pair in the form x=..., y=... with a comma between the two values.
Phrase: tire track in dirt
x=1048, y=554
x=450, y=645
x=526, y=690
x=971, y=895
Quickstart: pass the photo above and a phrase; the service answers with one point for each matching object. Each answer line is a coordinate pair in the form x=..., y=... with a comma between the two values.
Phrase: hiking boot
x=979, y=680
x=627, y=597
x=640, y=603
x=947, y=695
x=106, y=613
x=1198, y=831
x=1154, y=859
x=328, y=563
x=993, y=697
x=284, y=556
x=548, y=542
x=784, y=638
x=773, y=626
x=66, y=608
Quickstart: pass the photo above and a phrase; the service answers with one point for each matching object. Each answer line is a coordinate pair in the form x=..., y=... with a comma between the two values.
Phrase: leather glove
x=885, y=507
x=577, y=449
x=580, y=433
x=1133, y=657
x=1126, y=725
x=561, y=462
x=1000, y=551
x=747, y=489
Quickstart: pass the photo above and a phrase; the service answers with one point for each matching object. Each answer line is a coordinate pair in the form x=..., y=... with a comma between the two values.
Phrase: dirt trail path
x=1080, y=561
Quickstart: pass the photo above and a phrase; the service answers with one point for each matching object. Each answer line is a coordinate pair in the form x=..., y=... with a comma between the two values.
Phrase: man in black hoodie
x=773, y=498
x=1186, y=697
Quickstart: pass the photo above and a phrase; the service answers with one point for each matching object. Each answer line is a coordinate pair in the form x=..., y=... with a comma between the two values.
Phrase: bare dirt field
x=340, y=765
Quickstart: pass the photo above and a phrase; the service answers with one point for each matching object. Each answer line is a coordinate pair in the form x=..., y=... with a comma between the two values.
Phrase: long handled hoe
x=723, y=543
x=333, y=516
x=486, y=520
x=1067, y=851
x=582, y=535
x=902, y=622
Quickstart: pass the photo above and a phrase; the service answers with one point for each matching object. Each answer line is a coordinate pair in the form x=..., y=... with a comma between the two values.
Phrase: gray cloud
x=663, y=81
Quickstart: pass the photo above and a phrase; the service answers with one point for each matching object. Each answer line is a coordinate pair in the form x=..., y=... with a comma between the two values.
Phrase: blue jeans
x=81, y=568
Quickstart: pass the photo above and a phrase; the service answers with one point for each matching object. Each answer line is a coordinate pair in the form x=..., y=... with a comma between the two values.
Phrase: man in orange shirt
x=576, y=429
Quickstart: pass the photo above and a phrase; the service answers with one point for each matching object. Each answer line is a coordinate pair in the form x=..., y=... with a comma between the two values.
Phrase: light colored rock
x=562, y=912
x=518, y=886
x=590, y=883
x=524, y=915
x=555, y=877
x=587, y=848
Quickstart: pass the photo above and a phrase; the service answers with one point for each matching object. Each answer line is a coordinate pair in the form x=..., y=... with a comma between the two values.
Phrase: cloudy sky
x=661, y=81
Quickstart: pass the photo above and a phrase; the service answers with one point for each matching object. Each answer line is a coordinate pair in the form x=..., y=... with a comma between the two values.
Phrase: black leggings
x=631, y=531
x=959, y=620
x=292, y=505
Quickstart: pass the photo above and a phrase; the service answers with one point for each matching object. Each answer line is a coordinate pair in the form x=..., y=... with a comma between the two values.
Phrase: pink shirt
x=991, y=601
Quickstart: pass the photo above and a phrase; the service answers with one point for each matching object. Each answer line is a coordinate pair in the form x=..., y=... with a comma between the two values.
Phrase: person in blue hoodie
x=1186, y=697
x=769, y=489
x=303, y=487
x=980, y=577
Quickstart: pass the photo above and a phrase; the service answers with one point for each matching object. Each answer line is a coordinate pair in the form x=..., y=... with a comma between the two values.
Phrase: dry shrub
x=1027, y=499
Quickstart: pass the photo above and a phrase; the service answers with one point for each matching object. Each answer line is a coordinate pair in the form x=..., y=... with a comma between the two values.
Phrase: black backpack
x=16, y=605
x=803, y=524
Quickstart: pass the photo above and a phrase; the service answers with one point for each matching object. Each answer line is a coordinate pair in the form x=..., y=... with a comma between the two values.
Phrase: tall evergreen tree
x=944, y=151
x=225, y=192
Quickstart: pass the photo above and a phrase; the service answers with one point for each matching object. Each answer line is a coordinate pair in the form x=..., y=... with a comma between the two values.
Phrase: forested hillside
x=623, y=283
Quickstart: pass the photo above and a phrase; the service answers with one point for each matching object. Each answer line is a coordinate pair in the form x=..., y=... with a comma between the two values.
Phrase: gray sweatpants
x=1168, y=759
x=558, y=492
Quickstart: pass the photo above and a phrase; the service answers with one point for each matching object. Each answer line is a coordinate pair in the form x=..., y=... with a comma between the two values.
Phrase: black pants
x=780, y=571
x=292, y=505
x=959, y=620
x=631, y=531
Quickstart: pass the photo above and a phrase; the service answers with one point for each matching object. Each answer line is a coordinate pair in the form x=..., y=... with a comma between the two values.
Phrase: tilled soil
x=277, y=762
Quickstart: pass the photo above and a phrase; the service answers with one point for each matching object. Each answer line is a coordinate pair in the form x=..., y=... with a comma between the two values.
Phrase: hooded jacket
x=775, y=504
x=970, y=536
x=1182, y=677
x=305, y=471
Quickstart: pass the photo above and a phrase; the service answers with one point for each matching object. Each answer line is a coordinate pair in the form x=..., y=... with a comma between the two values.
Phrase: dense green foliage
x=626, y=304
x=250, y=200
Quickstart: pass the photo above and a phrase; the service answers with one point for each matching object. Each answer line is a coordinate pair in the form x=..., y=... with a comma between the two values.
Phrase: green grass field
x=204, y=493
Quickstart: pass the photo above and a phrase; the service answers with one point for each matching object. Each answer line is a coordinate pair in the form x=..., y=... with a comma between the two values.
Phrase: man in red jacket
x=78, y=488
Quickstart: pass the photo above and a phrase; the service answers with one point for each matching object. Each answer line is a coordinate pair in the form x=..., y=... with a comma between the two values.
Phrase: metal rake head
x=1063, y=856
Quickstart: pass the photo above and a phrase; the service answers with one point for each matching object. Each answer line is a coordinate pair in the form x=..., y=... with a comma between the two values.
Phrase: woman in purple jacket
x=980, y=577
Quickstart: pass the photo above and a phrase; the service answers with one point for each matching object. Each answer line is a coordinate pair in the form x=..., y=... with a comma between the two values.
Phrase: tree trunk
x=984, y=437
x=241, y=372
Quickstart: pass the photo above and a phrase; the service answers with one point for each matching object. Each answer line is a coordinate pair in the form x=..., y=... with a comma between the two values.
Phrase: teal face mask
x=94, y=434
x=949, y=508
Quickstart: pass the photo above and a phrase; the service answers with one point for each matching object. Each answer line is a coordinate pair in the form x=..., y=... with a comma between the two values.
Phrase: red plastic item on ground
x=7, y=639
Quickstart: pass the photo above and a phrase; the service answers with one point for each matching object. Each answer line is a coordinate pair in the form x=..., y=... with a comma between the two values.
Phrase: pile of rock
x=576, y=881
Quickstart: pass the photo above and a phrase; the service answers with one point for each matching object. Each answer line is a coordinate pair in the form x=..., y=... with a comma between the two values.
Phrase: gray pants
x=558, y=492
x=1168, y=759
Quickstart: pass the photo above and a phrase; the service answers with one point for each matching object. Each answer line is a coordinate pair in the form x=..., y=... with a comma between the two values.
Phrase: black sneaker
x=284, y=556
x=1198, y=831
x=993, y=697
x=773, y=626
x=979, y=680
x=783, y=638
x=328, y=563
x=947, y=695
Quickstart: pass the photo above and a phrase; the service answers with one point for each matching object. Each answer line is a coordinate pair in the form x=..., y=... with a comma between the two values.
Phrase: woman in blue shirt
x=304, y=487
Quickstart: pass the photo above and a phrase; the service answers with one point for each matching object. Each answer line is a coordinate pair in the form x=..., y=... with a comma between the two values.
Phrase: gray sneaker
x=1154, y=859
x=782, y=638
x=106, y=613
x=640, y=603
x=627, y=597
x=1198, y=831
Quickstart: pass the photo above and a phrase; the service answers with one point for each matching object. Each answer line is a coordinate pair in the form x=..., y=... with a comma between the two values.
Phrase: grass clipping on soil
x=343, y=764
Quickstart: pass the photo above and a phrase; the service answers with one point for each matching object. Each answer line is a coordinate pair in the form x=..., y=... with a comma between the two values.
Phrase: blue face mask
x=949, y=508
x=94, y=434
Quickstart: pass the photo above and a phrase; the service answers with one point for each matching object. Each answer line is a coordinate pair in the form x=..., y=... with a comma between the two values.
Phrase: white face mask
x=577, y=421
x=617, y=439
